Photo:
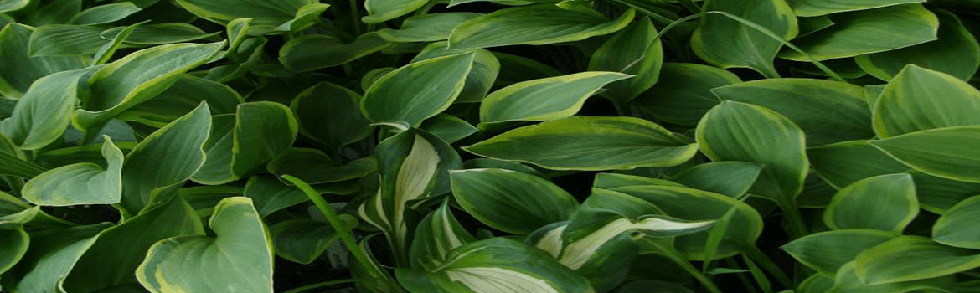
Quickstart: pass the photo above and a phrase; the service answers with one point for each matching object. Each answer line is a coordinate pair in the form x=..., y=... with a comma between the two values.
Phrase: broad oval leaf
x=947, y=152
x=329, y=113
x=868, y=31
x=185, y=95
x=727, y=43
x=65, y=40
x=812, y=8
x=238, y=258
x=956, y=53
x=910, y=258
x=43, y=113
x=544, y=99
x=482, y=76
x=304, y=240
x=921, y=99
x=827, y=111
x=885, y=202
x=492, y=265
x=384, y=10
x=826, y=252
x=19, y=69
x=957, y=226
x=635, y=51
x=81, y=183
x=535, y=25
x=426, y=27
x=590, y=144
x=682, y=94
x=734, y=131
x=510, y=201
x=417, y=91
x=269, y=195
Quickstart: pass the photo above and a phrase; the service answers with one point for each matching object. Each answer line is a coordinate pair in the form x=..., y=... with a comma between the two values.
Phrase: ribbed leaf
x=510, y=201
x=885, y=202
x=544, y=99
x=267, y=17
x=634, y=51
x=19, y=70
x=383, y=10
x=729, y=178
x=304, y=240
x=426, y=27
x=811, y=8
x=921, y=99
x=957, y=226
x=328, y=113
x=438, y=234
x=481, y=77
x=417, y=91
x=682, y=94
x=43, y=113
x=317, y=51
x=826, y=252
x=911, y=258
x=50, y=258
x=535, y=25
x=947, y=152
x=81, y=183
x=243, y=143
x=727, y=43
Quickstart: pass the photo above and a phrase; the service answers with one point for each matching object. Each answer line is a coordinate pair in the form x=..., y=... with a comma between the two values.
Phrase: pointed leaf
x=811, y=8
x=19, y=70
x=81, y=183
x=727, y=43
x=417, y=91
x=848, y=280
x=439, y=234
x=885, y=202
x=635, y=51
x=426, y=27
x=384, y=10
x=921, y=99
x=509, y=201
x=729, y=178
x=304, y=240
x=329, y=113
x=682, y=94
x=957, y=226
x=43, y=113
x=448, y=127
x=910, y=258
x=317, y=51
x=945, y=152
x=270, y=195
x=481, y=77
x=826, y=252
x=278, y=16
x=50, y=258
x=535, y=25
x=107, y=13
x=544, y=99
x=241, y=144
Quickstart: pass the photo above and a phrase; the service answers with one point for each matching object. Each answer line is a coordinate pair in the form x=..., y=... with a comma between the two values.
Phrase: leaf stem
x=355, y=17
x=675, y=256
x=767, y=264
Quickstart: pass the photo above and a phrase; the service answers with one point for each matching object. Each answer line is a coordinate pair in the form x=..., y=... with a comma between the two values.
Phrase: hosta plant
x=808, y=146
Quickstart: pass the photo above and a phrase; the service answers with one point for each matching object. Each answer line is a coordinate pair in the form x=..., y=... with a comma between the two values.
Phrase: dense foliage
x=422, y=146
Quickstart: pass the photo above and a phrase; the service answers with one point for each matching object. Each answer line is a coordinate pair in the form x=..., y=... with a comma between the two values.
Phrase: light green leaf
x=426, y=27
x=117, y=87
x=50, y=257
x=418, y=90
x=384, y=10
x=734, y=131
x=957, y=226
x=921, y=99
x=492, y=265
x=146, y=177
x=14, y=5
x=448, y=127
x=727, y=43
x=65, y=40
x=682, y=94
x=15, y=246
x=481, y=77
x=848, y=280
x=811, y=8
x=160, y=33
x=105, y=52
x=238, y=258
x=911, y=258
x=590, y=144
x=826, y=252
x=844, y=163
x=43, y=114
x=185, y=95
x=107, y=13
x=304, y=240
x=885, y=202
x=954, y=53
x=827, y=111
x=82, y=183
x=535, y=25
x=544, y=99
x=438, y=234
x=241, y=144
x=329, y=113
x=868, y=31
x=616, y=180
x=729, y=178
x=317, y=51
x=269, y=195
x=945, y=152
x=510, y=201
x=19, y=70
x=635, y=51
x=267, y=17
x=107, y=264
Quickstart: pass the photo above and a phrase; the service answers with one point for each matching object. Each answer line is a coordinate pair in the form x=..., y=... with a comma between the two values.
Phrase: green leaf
x=729, y=178
x=827, y=111
x=590, y=144
x=384, y=10
x=241, y=144
x=160, y=33
x=50, y=257
x=635, y=51
x=19, y=69
x=426, y=27
x=329, y=114
x=911, y=258
x=811, y=8
x=117, y=87
x=81, y=183
x=317, y=51
x=65, y=40
x=448, y=127
x=510, y=201
x=868, y=31
x=316, y=167
x=185, y=95
x=413, y=165
x=107, y=264
x=544, y=99
x=238, y=258
x=145, y=177
x=921, y=99
x=108, y=49
x=417, y=91
x=956, y=227
x=267, y=17
x=535, y=25
x=885, y=202
x=13, y=162
x=438, y=234
x=727, y=43
x=14, y=5
x=492, y=265
x=848, y=281
x=682, y=94
x=269, y=195
x=844, y=163
x=481, y=77
x=734, y=131
x=826, y=252
x=15, y=246
x=107, y=13
x=43, y=113
x=616, y=180
x=945, y=152
x=954, y=53
x=304, y=240
x=514, y=69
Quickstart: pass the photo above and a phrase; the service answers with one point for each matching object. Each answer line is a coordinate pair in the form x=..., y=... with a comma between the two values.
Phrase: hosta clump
x=808, y=146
